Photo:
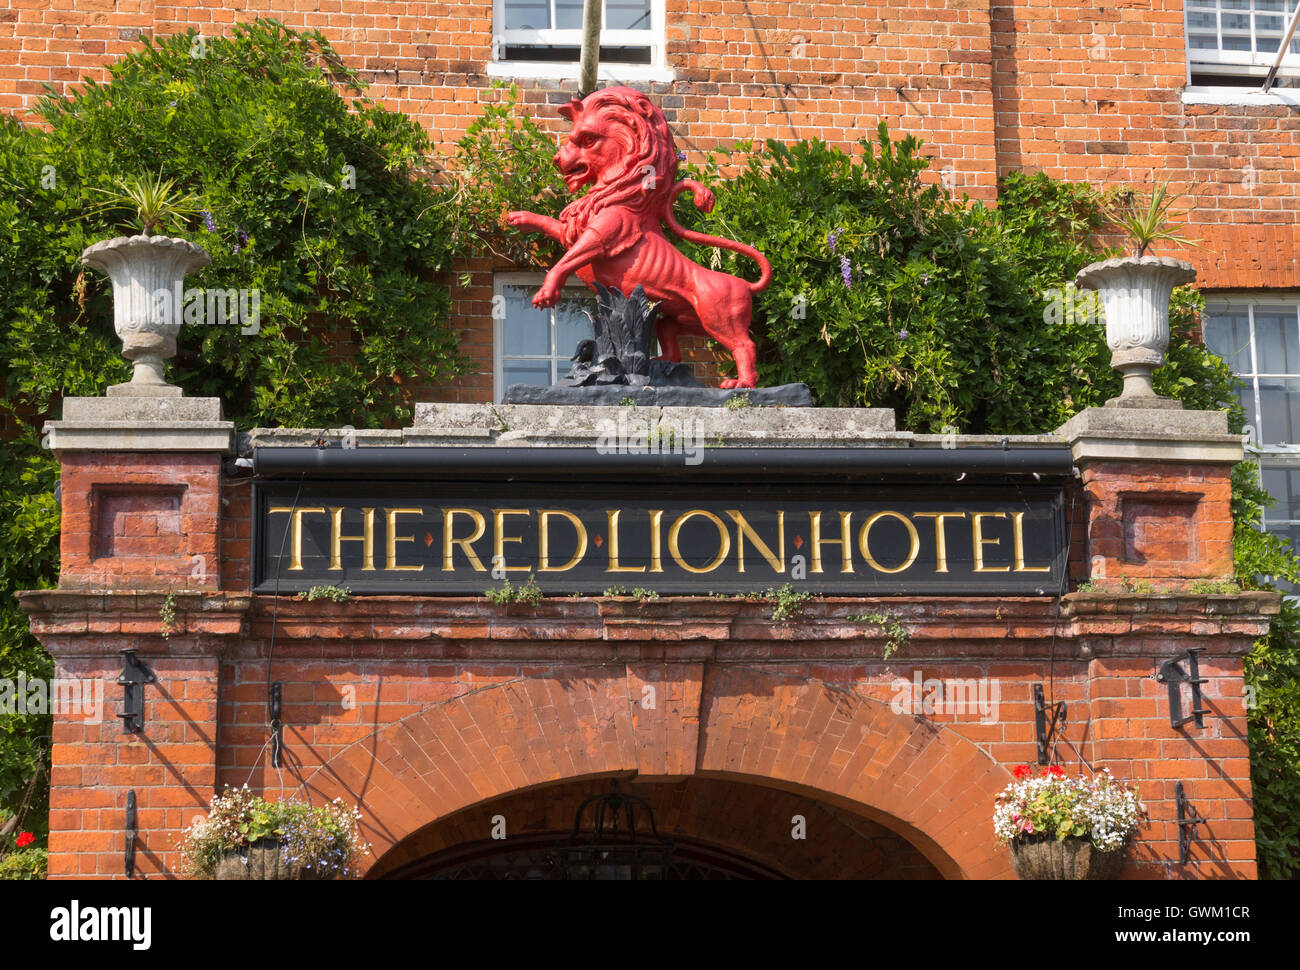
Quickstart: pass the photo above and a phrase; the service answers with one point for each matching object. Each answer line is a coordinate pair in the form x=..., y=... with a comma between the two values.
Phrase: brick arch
x=758, y=725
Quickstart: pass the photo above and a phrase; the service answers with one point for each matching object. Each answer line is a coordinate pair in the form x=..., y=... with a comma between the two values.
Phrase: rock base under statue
x=644, y=395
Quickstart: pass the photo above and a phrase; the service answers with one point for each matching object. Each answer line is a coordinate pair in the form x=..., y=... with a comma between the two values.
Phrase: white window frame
x=1250, y=63
x=500, y=281
x=654, y=38
x=1273, y=455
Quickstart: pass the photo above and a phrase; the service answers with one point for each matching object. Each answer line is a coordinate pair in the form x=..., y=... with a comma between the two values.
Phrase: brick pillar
x=139, y=569
x=1158, y=496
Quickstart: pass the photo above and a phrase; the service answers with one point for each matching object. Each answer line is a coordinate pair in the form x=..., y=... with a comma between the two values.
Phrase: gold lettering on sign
x=977, y=538
x=1018, y=535
x=500, y=539
x=393, y=539
x=656, y=541
x=844, y=542
x=864, y=541
x=940, y=538
x=544, y=541
x=367, y=539
x=614, y=567
x=724, y=541
x=295, y=531
x=745, y=530
x=466, y=545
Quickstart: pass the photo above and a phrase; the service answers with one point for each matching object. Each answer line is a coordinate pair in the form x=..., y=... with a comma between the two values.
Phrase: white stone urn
x=1134, y=293
x=148, y=274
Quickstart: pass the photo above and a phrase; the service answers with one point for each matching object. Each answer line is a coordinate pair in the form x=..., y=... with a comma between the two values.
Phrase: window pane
x=1284, y=485
x=1279, y=404
x=1246, y=395
x=526, y=329
x=1277, y=340
x=573, y=324
x=568, y=14
x=1228, y=335
x=526, y=372
x=528, y=15
x=627, y=14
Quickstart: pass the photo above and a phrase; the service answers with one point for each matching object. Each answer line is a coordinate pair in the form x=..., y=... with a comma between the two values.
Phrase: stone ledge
x=1140, y=434
x=141, y=424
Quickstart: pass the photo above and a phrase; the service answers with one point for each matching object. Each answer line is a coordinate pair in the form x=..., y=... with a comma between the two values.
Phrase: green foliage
x=738, y=402
x=167, y=613
x=503, y=163
x=25, y=864
x=1149, y=223
x=315, y=201
x=896, y=635
x=947, y=312
x=788, y=604
x=529, y=594
x=335, y=594
x=155, y=201
x=1272, y=681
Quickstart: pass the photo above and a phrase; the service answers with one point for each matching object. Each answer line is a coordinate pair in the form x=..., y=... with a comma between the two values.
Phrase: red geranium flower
x=1056, y=770
x=25, y=839
x=1021, y=771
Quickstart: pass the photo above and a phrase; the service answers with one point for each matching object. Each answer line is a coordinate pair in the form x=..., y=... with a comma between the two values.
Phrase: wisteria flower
x=209, y=223
x=833, y=237
x=846, y=272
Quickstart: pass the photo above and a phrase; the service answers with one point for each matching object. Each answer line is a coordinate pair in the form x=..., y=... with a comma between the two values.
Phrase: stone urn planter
x=148, y=274
x=1047, y=857
x=1135, y=291
x=263, y=860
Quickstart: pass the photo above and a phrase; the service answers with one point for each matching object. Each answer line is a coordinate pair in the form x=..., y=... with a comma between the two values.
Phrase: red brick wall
x=423, y=709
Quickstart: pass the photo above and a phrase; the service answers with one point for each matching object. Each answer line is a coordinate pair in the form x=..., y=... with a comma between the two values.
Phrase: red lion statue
x=621, y=146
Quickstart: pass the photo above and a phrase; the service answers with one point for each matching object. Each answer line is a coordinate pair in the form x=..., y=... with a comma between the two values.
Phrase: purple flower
x=925, y=279
x=846, y=271
x=243, y=241
x=833, y=237
x=902, y=335
x=209, y=223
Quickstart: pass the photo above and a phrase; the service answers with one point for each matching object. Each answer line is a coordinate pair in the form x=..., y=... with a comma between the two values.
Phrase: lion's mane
x=653, y=151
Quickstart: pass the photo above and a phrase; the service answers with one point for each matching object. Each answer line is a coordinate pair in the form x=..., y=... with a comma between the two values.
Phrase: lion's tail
x=704, y=201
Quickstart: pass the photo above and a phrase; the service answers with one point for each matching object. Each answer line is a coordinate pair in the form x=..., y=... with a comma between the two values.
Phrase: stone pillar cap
x=141, y=424
x=1156, y=434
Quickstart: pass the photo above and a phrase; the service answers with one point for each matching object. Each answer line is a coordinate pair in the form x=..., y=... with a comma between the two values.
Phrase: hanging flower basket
x=1061, y=827
x=1074, y=857
x=265, y=859
x=247, y=837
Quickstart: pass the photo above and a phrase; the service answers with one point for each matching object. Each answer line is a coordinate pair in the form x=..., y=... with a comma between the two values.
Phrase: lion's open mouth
x=575, y=175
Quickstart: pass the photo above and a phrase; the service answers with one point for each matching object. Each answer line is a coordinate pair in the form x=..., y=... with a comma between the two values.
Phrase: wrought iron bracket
x=135, y=674
x=277, y=725
x=1174, y=676
x=129, y=854
x=1188, y=820
x=1047, y=732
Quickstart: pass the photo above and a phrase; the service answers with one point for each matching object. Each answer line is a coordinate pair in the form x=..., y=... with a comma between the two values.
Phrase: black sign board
x=462, y=537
